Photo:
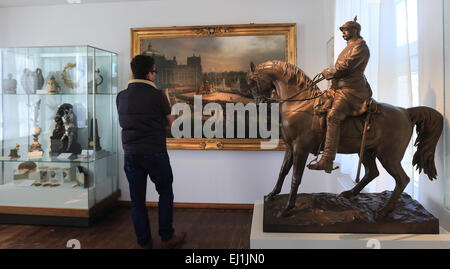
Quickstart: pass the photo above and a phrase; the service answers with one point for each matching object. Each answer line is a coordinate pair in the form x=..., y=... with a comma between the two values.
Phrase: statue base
x=46, y=92
x=57, y=147
x=331, y=213
x=35, y=155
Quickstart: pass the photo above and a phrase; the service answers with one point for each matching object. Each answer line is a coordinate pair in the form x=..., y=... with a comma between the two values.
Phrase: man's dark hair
x=141, y=65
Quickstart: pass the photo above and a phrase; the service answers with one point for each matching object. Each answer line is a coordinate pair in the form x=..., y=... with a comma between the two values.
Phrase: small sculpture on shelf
x=82, y=178
x=52, y=86
x=66, y=175
x=9, y=85
x=44, y=177
x=69, y=129
x=98, y=80
x=55, y=175
x=24, y=170
x=98, y=77
x=14, y=154
x=32, y=81
x=35, y=150
x=64, y=135
x=36, y=146
x=66, y=77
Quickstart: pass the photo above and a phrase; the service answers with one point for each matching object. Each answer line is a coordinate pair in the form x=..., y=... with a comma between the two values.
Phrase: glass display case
x=58, y=130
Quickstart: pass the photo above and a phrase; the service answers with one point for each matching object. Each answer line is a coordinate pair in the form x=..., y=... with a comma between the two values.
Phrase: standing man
x=352, y=91
x=144, y=113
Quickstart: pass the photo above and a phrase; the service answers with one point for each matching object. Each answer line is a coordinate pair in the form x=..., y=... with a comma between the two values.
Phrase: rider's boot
x=331, y=146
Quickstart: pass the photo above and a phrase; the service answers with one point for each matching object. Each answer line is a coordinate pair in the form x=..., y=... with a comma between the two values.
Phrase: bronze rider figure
x=352, y=92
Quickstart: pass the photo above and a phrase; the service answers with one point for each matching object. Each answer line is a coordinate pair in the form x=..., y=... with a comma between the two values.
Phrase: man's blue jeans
x=157, y=166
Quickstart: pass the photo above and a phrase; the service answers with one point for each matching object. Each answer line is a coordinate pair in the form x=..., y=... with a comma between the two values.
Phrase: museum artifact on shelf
x=98, y=80
x=303, y=117
x=81, y=177
x=24, y=169
x=35, y=151
x=9, y=85
x=32, y=80
x=64, y=138
x=67, y=80
x=58, y=181
x=14, y=153
x=52, y=86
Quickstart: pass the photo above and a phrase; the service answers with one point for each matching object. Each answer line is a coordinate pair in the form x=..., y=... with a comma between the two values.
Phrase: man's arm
x=342, y=68
x=169, y=119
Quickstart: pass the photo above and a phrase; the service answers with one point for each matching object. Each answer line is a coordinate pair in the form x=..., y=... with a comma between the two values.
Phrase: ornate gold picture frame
x=197, y=68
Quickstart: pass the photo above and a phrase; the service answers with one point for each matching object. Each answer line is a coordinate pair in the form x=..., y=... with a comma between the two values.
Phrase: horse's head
x=260, y=84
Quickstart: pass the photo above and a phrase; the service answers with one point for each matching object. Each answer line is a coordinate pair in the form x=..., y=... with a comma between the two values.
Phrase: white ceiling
x=23, y=3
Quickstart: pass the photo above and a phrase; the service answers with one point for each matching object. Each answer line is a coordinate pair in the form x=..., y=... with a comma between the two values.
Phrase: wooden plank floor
x=206, y=229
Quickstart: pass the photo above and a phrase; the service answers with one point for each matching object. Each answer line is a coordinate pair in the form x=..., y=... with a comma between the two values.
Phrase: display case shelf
x=73, y=158
x=55, y=95
x=58, y=130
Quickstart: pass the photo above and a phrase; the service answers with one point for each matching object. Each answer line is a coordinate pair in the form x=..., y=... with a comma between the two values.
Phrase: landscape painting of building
x=214, y=67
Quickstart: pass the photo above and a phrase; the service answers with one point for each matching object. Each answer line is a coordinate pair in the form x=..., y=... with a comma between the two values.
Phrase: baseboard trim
x=197, y=205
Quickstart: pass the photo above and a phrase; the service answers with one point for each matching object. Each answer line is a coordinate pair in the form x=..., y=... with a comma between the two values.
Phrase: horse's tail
x=429, y=124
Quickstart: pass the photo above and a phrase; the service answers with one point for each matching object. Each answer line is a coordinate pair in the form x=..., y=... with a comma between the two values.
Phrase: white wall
x=199, y=176
x=431, y=193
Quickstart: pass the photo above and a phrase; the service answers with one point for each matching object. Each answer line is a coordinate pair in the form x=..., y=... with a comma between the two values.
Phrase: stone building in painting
x=173, y=75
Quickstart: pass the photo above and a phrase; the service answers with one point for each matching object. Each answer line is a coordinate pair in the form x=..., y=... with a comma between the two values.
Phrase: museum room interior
x=63, y=62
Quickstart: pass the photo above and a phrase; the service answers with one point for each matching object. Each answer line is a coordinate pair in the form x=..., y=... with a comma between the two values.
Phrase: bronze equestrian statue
x=301, y=105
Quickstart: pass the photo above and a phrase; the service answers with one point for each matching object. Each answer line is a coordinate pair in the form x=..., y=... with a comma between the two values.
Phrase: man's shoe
x=176, y=240
x=147, y=246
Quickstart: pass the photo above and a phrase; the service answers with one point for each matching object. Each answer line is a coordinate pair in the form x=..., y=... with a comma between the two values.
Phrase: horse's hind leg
x=371, y=172
x=394, y=168
x=285, y=167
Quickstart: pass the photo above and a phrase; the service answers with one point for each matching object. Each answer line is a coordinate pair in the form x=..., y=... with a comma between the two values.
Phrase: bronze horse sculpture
x=391, y=128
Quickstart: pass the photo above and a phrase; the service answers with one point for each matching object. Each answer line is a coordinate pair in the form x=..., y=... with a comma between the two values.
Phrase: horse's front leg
x=285, y=167
x=299, y=161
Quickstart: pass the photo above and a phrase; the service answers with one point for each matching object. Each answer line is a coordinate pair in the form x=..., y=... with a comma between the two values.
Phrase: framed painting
x=203, y=69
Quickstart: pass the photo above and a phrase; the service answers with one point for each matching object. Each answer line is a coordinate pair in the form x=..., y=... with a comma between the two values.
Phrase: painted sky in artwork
x=221, y=54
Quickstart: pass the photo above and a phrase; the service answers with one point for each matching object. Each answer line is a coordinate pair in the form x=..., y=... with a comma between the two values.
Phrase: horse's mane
x=287, y=72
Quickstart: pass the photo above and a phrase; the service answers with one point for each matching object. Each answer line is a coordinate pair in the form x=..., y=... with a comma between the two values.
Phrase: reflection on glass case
x=58, y=133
